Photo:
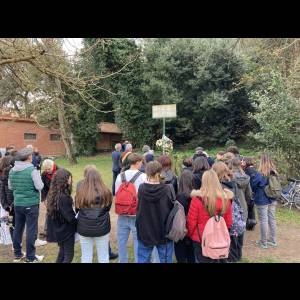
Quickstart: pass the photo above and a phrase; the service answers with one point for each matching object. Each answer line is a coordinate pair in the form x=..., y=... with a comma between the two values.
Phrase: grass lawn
x=288, y=221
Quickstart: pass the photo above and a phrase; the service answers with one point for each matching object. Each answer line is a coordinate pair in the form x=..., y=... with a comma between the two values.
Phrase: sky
x=72, y=44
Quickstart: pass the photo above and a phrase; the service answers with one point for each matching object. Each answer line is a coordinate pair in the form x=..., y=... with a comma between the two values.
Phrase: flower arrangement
x=165, y=144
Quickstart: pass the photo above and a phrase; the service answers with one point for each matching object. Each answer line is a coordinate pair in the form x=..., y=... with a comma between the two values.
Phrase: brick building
x=20, y=132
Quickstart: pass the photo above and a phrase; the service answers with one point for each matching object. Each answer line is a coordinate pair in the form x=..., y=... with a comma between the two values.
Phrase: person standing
x=184, y=250
x=61, y=221
x=155, y=204
x=36, y=159
x=125, y=165
x=126, y=222
x=266, y=206
x=116, y=166
x=49, y=169
x=93, y=201
x=200, y=165
x=26, y=183
x=210, y=200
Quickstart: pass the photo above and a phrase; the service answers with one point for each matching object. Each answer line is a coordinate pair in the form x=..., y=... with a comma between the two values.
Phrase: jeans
x=199, y=258
x=184, y=251
x=87, y=247
x=155, y=256
x=29, y=216
x=266, y=217
x=236, y=247
x=126, y=224
x=66, y=250
x=165, y=252
x=115, y=175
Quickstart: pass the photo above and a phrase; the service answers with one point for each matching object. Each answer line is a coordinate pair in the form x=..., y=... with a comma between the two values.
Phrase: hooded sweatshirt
x=244, y=191
x=154, y=206
x=25, y=182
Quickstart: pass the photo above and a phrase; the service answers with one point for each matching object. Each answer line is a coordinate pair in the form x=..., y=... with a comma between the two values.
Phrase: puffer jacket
x=244, y=191
x=94, y=221
x=6, y=195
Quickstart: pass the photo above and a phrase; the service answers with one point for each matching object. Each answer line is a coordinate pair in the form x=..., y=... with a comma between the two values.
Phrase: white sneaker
x=39, y=243
x=39, y=257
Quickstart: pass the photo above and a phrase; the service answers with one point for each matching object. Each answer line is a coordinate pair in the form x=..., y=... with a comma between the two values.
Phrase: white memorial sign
x=164, y=111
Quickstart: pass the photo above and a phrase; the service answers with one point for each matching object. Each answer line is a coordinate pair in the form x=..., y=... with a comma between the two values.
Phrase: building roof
x=8, y=117
x=109, y=128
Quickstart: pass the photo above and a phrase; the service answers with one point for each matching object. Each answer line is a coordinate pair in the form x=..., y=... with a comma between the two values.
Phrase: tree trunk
x=64, y=125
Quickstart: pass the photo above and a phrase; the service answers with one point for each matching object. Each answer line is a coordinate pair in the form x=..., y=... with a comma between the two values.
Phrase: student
x=234, y=150
x=154, y=206
x=126, y=223
x=187, y=164
x=201, y=153
x=36, y=159
x=184, y=250
x=6, y=201
x=116, y=166
x=49, y=169
x=200, y=165
x=216, y=201
x=26, y=183
x=124, y=158
x=219, y=156
x=167, y=172
x=93, y=201
x=266, y=207
x=61, y=221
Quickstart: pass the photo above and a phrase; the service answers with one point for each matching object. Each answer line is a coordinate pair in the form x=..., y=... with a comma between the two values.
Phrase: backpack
x=215, y=238
x=176, y=223
x=273, y=189
x=251, y=221
x=126, y=196
x=238, y=226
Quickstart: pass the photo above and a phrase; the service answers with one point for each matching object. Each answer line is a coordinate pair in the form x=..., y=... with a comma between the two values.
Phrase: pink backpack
x=215, y=238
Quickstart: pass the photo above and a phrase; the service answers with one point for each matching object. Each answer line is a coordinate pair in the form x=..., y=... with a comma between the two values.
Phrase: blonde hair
x=47, y=163
x=211, y=190
x=87, y=168
x=222, y=170
x=266, y=165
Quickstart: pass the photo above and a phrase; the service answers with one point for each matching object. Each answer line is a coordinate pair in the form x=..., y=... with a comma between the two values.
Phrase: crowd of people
x=214, y=193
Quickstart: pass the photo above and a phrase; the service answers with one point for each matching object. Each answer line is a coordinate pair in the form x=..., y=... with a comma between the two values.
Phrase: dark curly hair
x=59, y=187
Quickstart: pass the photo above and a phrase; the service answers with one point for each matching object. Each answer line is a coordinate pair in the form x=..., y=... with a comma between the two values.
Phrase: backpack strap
x=123, y=177
x=135, y=177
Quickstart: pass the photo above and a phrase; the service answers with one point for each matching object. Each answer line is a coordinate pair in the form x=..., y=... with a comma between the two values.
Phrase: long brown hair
x=92, y=191
x=266, y=165
x=211, y=190
x=236, y=165
x=222, y=171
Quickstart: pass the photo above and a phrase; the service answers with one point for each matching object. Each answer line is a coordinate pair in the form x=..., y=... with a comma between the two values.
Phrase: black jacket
x=197, y=180
x=6, y=195
x=46, y=187
x=62, y=224
x=94, y=222
x=185, y=200
x=154, y=206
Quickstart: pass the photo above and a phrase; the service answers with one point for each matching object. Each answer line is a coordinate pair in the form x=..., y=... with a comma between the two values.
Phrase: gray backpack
x=176, y=223
x=273, y=189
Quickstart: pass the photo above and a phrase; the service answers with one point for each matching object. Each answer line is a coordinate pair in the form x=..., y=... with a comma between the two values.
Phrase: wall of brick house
x=107, y=141
x=12, y=133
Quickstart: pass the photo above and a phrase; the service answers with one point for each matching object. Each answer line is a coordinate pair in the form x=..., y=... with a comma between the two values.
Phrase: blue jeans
x=165, y=252
x=87, y=247
x=29, y=216
x=154, y=256
x=126, y=224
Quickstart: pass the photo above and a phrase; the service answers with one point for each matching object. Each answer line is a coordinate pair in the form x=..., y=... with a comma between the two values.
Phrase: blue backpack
x=238, y=226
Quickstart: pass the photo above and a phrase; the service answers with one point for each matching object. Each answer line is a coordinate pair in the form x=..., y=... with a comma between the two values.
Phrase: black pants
x=184, y=251
x=115, y=175
x=66, y=250
x=29, y=216
x=236, y=247
x=203, y=259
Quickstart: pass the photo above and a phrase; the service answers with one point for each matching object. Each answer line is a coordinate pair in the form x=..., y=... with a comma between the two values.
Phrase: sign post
x=163, y=112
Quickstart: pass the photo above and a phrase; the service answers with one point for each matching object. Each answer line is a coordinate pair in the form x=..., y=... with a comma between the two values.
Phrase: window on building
x=55, y=137
x=29, y=136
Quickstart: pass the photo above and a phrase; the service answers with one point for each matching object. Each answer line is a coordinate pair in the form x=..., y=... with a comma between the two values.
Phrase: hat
x=24, y=153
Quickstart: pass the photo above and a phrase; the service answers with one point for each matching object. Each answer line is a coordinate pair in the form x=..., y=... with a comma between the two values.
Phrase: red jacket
x=198, y=215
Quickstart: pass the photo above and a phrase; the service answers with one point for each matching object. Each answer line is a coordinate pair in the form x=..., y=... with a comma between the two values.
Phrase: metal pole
x=164, y=132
